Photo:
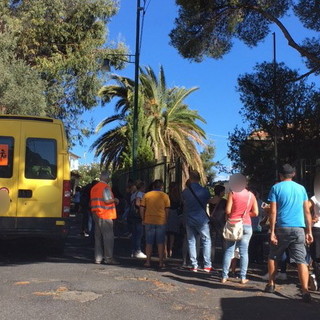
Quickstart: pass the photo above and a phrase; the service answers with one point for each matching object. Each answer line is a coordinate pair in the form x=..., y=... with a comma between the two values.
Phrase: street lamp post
x=135, y=141
x=275, y=106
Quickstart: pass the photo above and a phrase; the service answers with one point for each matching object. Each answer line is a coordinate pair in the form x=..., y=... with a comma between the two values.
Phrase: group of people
x=155, y=215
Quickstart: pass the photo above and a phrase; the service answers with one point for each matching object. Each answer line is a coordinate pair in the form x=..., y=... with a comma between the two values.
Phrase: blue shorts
x=155, y=233
x=292, y=239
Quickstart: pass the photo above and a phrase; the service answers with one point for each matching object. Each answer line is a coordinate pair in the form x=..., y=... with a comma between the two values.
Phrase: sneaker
x=313, y=284
x=270, y=288
x=126, y=235
x=194, y=269
x=306, y=297
x=209, y=270
x=281, y=276
x=140, y=255
x=98, y=262
x=111, y=262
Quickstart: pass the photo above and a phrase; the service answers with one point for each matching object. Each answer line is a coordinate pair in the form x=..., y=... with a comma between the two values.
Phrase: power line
x=147, y=4
x=144, y=9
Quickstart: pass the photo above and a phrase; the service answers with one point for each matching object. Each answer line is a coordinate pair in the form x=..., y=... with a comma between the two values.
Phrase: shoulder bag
x=202, y=206
x=233, y=229
x=134, y=214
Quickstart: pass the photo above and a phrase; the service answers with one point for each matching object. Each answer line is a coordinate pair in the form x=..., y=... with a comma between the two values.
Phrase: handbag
x=233, y=229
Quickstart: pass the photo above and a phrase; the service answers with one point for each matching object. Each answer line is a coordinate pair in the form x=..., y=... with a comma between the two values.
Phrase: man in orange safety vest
x=103, y=208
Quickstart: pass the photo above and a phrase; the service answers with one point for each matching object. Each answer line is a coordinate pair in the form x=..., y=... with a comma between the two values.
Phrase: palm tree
x=171, y=125
x=115, y=145
x=123, y=90
x=166, y=124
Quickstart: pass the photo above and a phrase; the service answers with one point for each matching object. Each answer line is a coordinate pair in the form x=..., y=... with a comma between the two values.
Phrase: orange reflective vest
x=98, y=205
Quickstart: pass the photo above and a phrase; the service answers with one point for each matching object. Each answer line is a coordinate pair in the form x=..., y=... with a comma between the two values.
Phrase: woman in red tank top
x=241, y=204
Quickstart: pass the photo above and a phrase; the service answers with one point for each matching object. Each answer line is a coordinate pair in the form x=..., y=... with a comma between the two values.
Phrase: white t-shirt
x=316, y=211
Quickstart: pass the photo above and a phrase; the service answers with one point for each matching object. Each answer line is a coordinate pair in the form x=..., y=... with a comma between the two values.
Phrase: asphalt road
x=37, y=285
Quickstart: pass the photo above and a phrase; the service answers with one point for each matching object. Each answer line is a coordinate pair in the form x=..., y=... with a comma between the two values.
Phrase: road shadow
x=210, y=282
x=267, y=307
x=27, y=250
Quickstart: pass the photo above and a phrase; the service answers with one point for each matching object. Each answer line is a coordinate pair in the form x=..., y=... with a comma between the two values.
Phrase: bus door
x=40, y=193
x=9, y=175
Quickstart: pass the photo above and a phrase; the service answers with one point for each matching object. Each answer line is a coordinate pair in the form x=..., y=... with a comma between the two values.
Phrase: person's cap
x=287, y=169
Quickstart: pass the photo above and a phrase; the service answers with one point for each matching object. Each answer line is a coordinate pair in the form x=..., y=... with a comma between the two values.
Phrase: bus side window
x=41, y=156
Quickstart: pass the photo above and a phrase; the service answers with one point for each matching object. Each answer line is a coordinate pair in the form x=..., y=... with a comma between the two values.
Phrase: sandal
x=306, y=297
x=270, y=288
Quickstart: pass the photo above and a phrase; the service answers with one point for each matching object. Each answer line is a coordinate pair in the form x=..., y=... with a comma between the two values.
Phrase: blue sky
x=216, y=100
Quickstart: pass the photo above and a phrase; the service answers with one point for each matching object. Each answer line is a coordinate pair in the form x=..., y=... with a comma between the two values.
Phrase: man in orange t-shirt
x=154, y=210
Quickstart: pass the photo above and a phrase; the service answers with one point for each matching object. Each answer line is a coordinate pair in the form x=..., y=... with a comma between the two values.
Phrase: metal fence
x=306, y=173
x=166, y=171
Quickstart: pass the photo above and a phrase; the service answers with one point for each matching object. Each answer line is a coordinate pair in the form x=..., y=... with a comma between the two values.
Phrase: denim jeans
x=155, y=233
x=137, y=232
x=243, y=245
x=216, y=239
x=204, y=232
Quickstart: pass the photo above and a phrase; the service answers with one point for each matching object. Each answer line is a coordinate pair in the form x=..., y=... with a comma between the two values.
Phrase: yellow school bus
x=35, y=175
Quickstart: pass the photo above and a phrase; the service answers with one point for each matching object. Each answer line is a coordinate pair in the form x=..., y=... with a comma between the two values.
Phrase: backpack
x=85, y=196
x=134, y=211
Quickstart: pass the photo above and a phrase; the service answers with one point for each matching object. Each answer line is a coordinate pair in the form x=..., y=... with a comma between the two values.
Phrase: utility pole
x=275, y=106
x=135, y=141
